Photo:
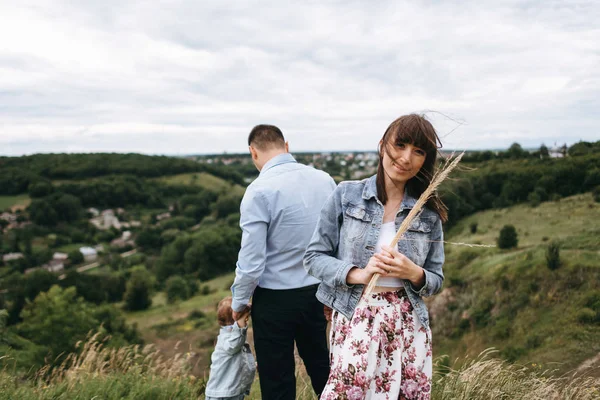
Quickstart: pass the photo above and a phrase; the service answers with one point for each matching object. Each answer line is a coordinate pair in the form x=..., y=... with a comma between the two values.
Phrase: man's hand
x=237, y=315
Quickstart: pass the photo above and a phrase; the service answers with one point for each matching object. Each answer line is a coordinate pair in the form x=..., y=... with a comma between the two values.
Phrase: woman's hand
x=363, y=276
x=397, y=265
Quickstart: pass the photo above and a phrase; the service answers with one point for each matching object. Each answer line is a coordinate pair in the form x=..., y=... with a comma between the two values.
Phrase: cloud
x=183, y=77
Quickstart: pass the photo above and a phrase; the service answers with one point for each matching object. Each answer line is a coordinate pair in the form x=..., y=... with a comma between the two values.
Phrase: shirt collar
x=277, y=160
x=370, y=191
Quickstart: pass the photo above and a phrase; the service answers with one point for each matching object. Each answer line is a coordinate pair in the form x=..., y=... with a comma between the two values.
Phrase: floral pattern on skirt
x=383, y=352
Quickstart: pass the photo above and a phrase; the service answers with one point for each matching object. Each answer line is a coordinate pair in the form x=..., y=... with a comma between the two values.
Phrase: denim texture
x=346, y=235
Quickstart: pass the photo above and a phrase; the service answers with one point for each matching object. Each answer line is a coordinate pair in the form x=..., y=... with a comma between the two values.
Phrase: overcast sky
x=186, y=77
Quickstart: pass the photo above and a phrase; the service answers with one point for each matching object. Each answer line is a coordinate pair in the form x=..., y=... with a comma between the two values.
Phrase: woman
x=381, y=344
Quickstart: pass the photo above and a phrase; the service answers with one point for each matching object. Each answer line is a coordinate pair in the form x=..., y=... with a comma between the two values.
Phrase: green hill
x=511, y=300
x=203, y=180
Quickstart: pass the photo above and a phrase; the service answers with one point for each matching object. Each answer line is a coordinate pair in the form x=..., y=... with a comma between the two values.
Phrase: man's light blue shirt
x=278, y=216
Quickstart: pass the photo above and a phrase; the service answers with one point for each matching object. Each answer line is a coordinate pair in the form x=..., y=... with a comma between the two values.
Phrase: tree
x=176, y=288
x=25, y=288
x=149, y=239
x=138, y=290
x=67, y=207
x=57, y=319
x=544, y=153
x=75, y=257
x=227, y=204
x=473, y=227
x=42, y=213
x=553, y=256
x=508, y=237
x=40, y=189
x=213, y=252
x=516, y=151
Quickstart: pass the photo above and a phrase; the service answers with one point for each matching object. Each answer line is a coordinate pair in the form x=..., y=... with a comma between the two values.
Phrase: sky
x=193, y=77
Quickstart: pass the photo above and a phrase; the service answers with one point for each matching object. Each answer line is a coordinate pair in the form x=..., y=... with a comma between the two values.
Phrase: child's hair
x=224, y=312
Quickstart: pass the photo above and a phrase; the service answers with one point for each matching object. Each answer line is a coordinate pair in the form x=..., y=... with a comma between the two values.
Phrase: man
x=278, y=215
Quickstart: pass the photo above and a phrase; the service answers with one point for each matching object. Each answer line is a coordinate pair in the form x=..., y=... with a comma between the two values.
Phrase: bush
x=196, y=314
x=205, y=290
x=473, y=227
x=57, y=319
x=553, y=256
x=75, y=257
x=139, y=288
x=512, y=353
x=193, y=286
x=588, y=316
x=596, y=194
x=508, y=237
x=177, y=289
x=534, y=199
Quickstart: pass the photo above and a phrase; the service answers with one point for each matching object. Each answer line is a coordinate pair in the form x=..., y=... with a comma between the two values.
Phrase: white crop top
x=386, y=234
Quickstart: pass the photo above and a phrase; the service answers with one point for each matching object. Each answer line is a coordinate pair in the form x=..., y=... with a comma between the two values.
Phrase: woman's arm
x=319, y=259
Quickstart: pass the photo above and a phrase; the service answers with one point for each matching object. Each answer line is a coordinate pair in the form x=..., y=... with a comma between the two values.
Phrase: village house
x=89, y=253
x=162, y=216
x=106, y=220
x=54, y=266
x=124, y=240
x=9, y=217
x=60, y=256
x=131, y=224
x=12, y=256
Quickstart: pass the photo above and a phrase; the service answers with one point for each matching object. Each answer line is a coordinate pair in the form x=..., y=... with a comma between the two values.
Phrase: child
x=232, y=366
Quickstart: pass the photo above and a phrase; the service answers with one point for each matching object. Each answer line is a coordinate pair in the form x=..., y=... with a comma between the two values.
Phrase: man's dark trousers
x=280, y=317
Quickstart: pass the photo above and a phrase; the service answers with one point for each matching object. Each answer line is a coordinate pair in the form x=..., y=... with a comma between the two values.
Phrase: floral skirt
x=383, y=352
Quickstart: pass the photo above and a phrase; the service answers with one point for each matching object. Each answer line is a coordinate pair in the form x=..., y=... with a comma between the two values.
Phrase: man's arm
x=254, y=221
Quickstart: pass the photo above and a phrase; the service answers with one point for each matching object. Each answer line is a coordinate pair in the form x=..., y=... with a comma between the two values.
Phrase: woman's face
x=402, y=162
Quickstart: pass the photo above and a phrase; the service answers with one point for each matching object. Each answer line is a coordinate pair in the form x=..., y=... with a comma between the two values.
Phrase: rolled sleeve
x=254, y=221
x=236, y=339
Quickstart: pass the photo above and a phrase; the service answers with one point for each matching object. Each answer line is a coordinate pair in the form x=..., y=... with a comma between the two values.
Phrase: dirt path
x=589, y=363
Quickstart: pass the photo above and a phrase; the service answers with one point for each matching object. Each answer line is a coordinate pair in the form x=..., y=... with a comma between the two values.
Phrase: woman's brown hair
x=224, y=312
x=415, y=130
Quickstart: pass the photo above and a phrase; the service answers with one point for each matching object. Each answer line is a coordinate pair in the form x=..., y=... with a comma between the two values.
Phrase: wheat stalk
x=438, y=178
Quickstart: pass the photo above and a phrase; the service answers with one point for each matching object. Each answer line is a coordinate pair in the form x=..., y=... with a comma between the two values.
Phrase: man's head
x=266, y=142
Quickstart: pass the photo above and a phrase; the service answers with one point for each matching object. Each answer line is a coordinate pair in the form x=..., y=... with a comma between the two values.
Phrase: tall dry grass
x=491, y=378
x=97, y=371
x=139, y=372
x=97, y=359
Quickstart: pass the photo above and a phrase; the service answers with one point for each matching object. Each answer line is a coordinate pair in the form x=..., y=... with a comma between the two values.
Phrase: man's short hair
x=265, y=137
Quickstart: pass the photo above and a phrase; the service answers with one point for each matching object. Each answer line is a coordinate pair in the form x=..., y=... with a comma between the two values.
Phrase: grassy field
x=506, y=299
x=204, y=180
x=511, y=300
x=19, y=201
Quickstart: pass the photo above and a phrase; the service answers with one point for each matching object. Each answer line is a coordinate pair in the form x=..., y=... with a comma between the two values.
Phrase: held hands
x=363, y=275
x=397, y=265
x=242, y=317
x=390, y=262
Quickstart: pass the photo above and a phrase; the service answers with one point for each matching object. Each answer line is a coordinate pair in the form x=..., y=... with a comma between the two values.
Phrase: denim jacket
x=232, y=365
x=346, y=235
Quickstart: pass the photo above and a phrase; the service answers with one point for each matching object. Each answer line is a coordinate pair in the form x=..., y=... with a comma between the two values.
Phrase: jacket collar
x=277, y=160
x=370, y=191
